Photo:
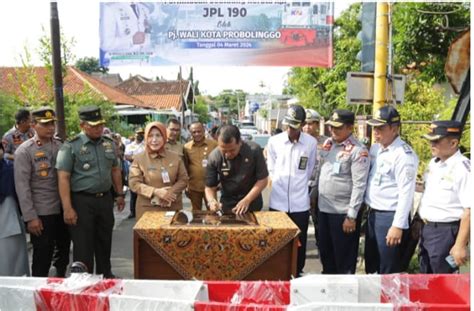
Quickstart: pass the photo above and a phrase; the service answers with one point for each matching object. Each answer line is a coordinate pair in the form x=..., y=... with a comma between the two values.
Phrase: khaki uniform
x=195, y=159
x=14, y=138
x=147, y=173
x=36, y=179
x=36, y=182
x=176, y=147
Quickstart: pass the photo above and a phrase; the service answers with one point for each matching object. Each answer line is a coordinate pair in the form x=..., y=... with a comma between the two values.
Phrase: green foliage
x=419, y=38
x=90, y=65
x=201, y=108
x=7, y=112
x=231, y=99
x=422, y=103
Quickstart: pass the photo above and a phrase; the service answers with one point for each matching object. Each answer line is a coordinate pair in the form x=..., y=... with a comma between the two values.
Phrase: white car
x=247, y=131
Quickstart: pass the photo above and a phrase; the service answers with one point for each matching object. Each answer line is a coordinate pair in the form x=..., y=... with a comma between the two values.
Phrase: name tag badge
x=303, y=163
x=336, y=167
x=204, y=162
x=165, y=176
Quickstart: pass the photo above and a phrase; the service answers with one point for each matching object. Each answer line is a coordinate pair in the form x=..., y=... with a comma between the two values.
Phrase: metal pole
x=381, y=54
x=57, y=72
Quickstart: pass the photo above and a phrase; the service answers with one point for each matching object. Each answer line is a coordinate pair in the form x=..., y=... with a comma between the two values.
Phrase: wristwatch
x=351, y=218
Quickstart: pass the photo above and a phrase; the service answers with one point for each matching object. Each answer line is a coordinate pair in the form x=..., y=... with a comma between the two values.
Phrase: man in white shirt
x=132, y=149
x=389, y=195
x=291, y=157
x=446, y=203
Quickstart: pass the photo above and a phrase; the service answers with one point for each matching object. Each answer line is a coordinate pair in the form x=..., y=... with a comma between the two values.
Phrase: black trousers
x=54, y=236
x=338, y=250
x=92, y=235
x=435, y=244
x=133, y=202
x=301, y=219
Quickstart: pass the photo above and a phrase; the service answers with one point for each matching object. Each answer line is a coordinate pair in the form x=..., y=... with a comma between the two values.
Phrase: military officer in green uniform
x=87, y=169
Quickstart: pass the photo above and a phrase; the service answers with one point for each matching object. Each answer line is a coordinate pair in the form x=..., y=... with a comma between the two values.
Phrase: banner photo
x=249, y=33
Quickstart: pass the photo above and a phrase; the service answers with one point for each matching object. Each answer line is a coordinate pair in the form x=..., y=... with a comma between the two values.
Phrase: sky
x=80, y=20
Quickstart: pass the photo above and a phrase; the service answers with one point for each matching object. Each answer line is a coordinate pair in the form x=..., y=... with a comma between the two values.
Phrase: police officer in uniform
x=342, y=182
x=87, y=168
x=17, y=135
x=240, y=168
x=37, y=184
x=291, y=160
x=446, y=203
x=389, y=195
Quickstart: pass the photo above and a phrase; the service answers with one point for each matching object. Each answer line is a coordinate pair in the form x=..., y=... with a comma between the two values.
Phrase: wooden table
x=267, y=251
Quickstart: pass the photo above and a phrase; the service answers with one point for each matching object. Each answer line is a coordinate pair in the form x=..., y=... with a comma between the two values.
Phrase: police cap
x=294, y=117
x=440, y=129
x=385, y=115
x=312, y=115
x=44, y=115
x=340, y=117
x=91, y=115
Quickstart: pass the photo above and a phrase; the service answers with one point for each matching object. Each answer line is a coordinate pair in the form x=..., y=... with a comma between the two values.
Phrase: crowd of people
x=63, y=192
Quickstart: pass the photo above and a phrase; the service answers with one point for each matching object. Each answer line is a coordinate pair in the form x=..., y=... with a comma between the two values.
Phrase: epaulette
x=107, y=138
x=407, y=148
x=467, y=164
x=73, y=139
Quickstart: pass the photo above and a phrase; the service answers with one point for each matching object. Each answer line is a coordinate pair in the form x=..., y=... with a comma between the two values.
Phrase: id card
x=336, y=167
x=204, y=162
x=165, y=176
x=303, y=163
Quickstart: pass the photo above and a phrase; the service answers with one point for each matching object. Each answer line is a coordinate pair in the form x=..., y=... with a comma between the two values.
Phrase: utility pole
x=381, y=55
x=57, y=72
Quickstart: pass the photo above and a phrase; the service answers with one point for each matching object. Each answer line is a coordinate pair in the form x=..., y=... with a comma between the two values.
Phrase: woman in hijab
x=14, y=255
x=158, y=176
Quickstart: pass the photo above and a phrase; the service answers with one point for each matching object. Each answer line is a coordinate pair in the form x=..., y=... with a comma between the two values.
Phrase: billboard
x=252, y=33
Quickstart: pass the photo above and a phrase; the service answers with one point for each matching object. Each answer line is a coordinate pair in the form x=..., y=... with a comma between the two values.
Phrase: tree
x=7, y=113
x=201, y=108
x=420, y=42
x=32, y=95
x=233, y=100
x=90, y=65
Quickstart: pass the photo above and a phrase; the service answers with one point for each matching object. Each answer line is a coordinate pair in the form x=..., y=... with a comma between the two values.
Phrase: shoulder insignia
x=74, y=138
x=407, y=148
x=364, y=154
x=467, y=164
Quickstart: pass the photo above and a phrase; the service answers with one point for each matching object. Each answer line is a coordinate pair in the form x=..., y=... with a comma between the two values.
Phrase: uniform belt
x=439, y=224
x=96, y=195
x=380, y=211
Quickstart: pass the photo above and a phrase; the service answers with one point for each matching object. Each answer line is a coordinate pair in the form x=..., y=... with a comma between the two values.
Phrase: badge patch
x=407, y=148
x=40, y=154
x=43, y=173
x=303, y=163
x=467, y=164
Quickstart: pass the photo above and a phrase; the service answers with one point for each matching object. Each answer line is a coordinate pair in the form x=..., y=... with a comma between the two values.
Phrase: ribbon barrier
x=312, y=292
